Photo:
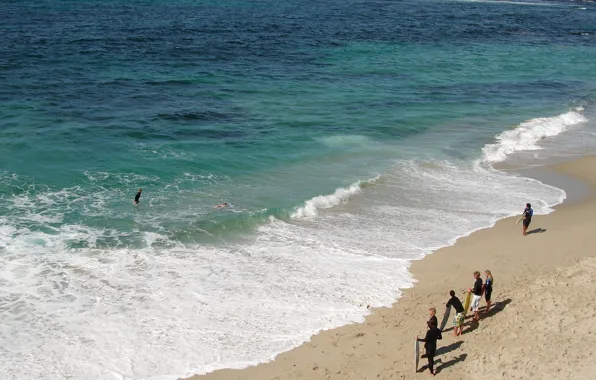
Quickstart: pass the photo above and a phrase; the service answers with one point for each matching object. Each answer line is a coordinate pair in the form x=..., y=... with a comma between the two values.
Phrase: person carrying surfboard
x=458, y=319
x=476, y=295
x=527, y=215
x=432, y=312
x=430, y=344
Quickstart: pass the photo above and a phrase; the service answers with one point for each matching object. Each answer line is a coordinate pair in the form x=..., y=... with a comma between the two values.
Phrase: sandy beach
x=543, y=324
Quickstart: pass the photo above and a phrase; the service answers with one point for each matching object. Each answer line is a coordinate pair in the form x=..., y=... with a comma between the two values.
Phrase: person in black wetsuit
x=432, y=320
x=433, y=317
x=430, y=344
x=488, y=289
x=138, y=196
x=528, y=213
x=458, y=319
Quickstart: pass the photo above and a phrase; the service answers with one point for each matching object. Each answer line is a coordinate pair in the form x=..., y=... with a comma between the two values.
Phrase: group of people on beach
x=477, y=291
x=433, y=332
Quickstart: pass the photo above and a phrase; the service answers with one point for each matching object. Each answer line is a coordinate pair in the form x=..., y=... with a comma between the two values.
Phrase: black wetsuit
x=528, y=213
x=488, y=288
x=456, y=303
x=477, y=287
x=430, y=343
x=137, y=197
x=434, y=317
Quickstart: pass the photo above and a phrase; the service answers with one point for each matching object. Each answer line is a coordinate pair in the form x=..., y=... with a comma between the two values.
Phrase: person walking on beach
x=488, y=289
x=138, y=196
x=476, y=295
x=458, y=319
x=430, y=344
x=528, y=212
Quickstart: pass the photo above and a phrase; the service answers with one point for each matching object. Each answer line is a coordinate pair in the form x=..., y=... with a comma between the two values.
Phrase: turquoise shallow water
x=349, y=137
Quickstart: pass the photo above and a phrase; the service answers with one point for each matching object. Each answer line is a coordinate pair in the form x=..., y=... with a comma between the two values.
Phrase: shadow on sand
x=446, y=349
x=449, y=363
x=498, y=307
x=441, y=365
x=536, y=231
x=442, y=351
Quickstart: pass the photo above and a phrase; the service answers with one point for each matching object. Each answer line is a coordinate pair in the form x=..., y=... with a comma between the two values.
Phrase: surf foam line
x=527, y=134
x=341, y=195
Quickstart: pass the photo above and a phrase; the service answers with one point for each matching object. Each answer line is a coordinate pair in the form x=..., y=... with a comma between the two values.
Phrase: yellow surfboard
x=466, y=306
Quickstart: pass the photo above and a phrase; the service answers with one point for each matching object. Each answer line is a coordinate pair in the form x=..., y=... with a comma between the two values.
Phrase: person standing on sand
x=433, y=317
x=430, y=343
x=137, y=197
x=458, y=319
x=476, y=295
x=528, y=213
x=432, y=320
x=488, y=289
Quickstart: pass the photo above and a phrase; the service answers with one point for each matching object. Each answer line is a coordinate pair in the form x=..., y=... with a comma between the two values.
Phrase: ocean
x=350, y=138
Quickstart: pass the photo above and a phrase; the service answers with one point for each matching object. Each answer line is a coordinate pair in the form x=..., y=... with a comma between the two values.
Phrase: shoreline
x=378, y=347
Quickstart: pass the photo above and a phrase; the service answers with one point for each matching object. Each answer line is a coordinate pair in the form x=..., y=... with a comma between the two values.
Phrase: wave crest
x=340, y=195
x=527, y=134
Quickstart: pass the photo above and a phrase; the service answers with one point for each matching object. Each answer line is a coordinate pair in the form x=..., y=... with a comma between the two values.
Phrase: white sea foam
x=147, y=313
x=528, y=134
x=341, y=195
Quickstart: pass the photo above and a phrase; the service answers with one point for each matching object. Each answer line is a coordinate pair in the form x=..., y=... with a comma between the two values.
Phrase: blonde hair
x=432, y=309
x=490, y=275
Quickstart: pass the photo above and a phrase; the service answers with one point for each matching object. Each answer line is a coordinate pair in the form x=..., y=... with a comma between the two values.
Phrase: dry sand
x=543, y=325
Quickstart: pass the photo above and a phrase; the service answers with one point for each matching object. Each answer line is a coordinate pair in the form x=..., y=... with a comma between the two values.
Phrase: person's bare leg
x=524, y=230
x=488, y=303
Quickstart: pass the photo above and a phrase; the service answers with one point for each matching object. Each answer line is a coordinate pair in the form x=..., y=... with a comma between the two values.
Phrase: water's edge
x=541, y=173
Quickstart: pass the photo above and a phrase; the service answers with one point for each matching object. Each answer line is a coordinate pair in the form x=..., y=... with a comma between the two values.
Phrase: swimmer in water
x=226, y=204
x=137, y=197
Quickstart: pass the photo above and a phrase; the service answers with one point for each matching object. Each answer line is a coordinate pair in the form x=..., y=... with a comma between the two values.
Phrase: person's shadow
x=442, y=351
x=497, y=307
x=446, y=349
x=450, y=363
x=536, y=231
